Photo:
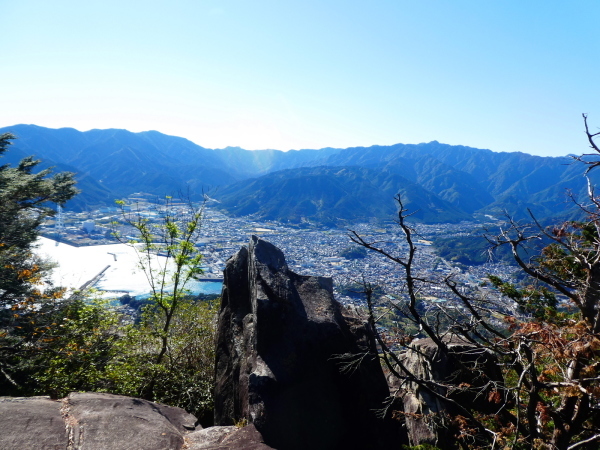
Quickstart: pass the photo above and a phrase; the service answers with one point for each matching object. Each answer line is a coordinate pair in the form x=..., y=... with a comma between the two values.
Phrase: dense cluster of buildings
x=309, y=250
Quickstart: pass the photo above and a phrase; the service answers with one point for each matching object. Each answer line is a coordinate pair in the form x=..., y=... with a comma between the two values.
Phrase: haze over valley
x=334, y=187
x=304, y=201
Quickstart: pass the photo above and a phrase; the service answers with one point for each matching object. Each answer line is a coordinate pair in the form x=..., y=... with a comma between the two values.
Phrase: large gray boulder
x=93, y=421
x=282, y=340
x=34, y=422
x=226, y=438
x=97, y=421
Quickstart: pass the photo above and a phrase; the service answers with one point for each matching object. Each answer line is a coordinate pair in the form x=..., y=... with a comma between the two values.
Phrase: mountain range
x=441, y=183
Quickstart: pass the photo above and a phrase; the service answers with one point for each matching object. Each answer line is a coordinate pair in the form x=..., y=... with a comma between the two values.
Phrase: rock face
x=100, y=420
x=278, y=366
x=226, y=438
x=466, y=372
x=92, y=421
x=33, y=422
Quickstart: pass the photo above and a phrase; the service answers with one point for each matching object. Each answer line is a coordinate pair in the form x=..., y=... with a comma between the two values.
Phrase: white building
x=88, y=226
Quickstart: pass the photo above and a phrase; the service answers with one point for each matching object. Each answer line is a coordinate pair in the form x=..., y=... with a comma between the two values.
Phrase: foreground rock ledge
x=92, y=421
x=279, y=341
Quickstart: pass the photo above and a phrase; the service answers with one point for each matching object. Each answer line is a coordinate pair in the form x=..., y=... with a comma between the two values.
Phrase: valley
x=305, y=201
x=309, y=248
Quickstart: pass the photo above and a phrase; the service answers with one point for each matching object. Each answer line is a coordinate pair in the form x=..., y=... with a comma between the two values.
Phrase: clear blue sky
x=508, y=75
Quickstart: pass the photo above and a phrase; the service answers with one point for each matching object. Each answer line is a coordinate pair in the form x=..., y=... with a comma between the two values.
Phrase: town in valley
x=310, y=249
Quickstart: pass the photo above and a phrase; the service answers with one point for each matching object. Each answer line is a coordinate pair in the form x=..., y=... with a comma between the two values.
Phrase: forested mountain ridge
x=326, y=194
x=447, y=183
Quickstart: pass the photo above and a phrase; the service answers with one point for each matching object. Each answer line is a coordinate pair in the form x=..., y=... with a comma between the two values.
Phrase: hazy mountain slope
x=454, y=186
x=60, y=145
x=248, y=164
x=333, y=194
x=496, y=172
x=121, y=162
x=93, y=194
x=480, y=180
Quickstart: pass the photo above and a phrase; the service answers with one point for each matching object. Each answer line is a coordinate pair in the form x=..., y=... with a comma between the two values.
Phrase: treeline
x=80, y=345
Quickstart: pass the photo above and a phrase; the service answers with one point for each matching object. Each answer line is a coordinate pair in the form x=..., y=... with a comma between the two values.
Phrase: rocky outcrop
x=283, y=348
x=93, y=421
x=466, y=373
x=33, y=422
x=226, y=438
x=292, y=364
x=89, y=416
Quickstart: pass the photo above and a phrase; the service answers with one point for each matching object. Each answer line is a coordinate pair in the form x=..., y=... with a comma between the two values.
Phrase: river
x=78, y=265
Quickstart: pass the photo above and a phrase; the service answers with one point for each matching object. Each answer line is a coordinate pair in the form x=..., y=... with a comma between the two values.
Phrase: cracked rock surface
x=94, y=421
